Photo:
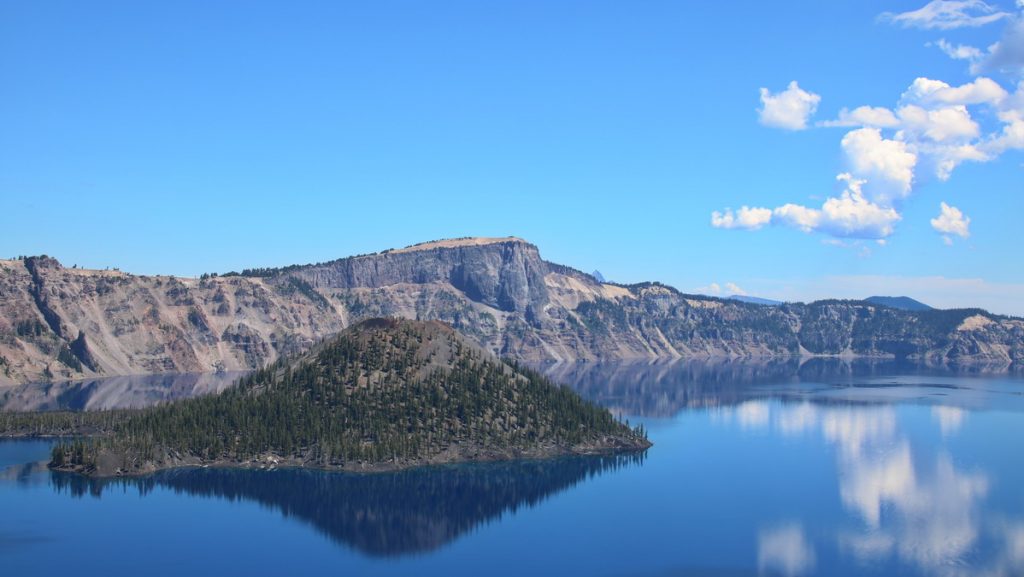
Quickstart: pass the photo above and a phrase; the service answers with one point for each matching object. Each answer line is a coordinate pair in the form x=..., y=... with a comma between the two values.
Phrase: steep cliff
x=58, y=322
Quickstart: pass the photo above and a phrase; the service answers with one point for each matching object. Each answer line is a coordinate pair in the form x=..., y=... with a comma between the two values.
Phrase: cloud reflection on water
x=909, y=501
x=785, y=550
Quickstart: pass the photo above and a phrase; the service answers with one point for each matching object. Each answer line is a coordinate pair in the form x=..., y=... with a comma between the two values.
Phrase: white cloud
x=1011, y=113
x=959, y=51
x=930, y=133
x=1007, y=54
x=928, y=91
x=797, y=216
x=887, y=164
x=734, y=289
x=1012, y=136
x=942, y=159
x=745, y=218
x=849, y=215
x=789, y=109
x=951, y=220
x=941, y=124
x=713, y=289
x=878, y=117
x=852, y=215
x=947, y=15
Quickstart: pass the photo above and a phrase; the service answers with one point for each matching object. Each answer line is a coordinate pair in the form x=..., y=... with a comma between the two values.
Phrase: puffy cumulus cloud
x=951, y=123
x=878, y=117
x=798, y=216
x=849, y=215
x=745, y=218
x=946, y=15
x=931, y=131
x=981, y=91
x=1012, y=136
x=789, y=109
x=951, y=221
x=854, y=216
x=888, y=164
x=1011, y=113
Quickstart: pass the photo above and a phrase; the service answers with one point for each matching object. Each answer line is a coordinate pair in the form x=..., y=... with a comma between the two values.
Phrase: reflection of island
x=384, y=514
x=660, y=389
x=114, y=392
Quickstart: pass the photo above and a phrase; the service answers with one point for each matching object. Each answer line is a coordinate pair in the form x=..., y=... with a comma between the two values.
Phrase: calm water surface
x=823, y=468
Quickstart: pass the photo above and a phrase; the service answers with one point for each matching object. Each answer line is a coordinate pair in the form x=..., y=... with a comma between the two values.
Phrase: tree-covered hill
x=385, y=394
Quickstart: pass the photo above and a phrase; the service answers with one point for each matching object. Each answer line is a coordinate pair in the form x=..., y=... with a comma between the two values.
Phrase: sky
x=788, y=150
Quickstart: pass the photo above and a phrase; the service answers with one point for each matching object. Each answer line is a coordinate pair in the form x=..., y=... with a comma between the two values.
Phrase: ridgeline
x=59, y=323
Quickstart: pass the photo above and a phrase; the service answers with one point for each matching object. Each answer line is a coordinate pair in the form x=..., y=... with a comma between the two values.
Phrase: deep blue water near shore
x=821, y=468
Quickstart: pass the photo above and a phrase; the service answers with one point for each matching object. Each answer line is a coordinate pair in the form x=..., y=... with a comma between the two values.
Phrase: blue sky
x=188, y=137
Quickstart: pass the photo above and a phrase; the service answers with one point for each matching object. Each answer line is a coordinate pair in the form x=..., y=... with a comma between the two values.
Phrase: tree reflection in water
x=380, y=514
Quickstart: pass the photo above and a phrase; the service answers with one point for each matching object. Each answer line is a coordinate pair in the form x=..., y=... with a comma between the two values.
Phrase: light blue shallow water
x=785, y=469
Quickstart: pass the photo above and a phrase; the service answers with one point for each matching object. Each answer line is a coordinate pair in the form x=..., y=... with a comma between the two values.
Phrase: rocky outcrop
x=59, y=323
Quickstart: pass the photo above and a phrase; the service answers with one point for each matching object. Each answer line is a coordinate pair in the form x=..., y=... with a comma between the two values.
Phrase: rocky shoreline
x=112, y=464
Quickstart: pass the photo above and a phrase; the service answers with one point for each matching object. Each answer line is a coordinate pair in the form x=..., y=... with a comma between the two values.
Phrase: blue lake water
x=820, y=468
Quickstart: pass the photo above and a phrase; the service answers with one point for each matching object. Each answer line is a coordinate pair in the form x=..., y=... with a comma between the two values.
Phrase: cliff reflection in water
x=664, y=389
x=384, y=514
x=130, y=391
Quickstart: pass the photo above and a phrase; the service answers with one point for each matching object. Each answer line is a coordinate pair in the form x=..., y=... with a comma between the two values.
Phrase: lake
x=817, y=468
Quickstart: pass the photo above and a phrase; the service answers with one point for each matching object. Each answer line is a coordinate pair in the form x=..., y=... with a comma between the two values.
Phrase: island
x=385, y=394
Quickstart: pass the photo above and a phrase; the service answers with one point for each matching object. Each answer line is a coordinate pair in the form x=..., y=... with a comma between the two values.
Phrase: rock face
x=58, y=323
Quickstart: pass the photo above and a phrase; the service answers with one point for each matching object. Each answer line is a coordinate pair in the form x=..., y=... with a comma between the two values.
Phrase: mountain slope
x=58, y=323
x=385, y=394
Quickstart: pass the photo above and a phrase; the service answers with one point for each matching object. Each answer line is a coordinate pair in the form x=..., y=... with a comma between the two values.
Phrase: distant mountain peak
x=903, y=303
x=598, y=276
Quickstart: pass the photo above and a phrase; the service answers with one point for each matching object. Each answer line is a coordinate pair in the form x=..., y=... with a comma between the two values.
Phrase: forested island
x=383, y=395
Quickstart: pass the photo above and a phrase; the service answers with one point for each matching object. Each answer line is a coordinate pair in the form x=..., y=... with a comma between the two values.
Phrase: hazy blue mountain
x=754, y=300
x=902, y=303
